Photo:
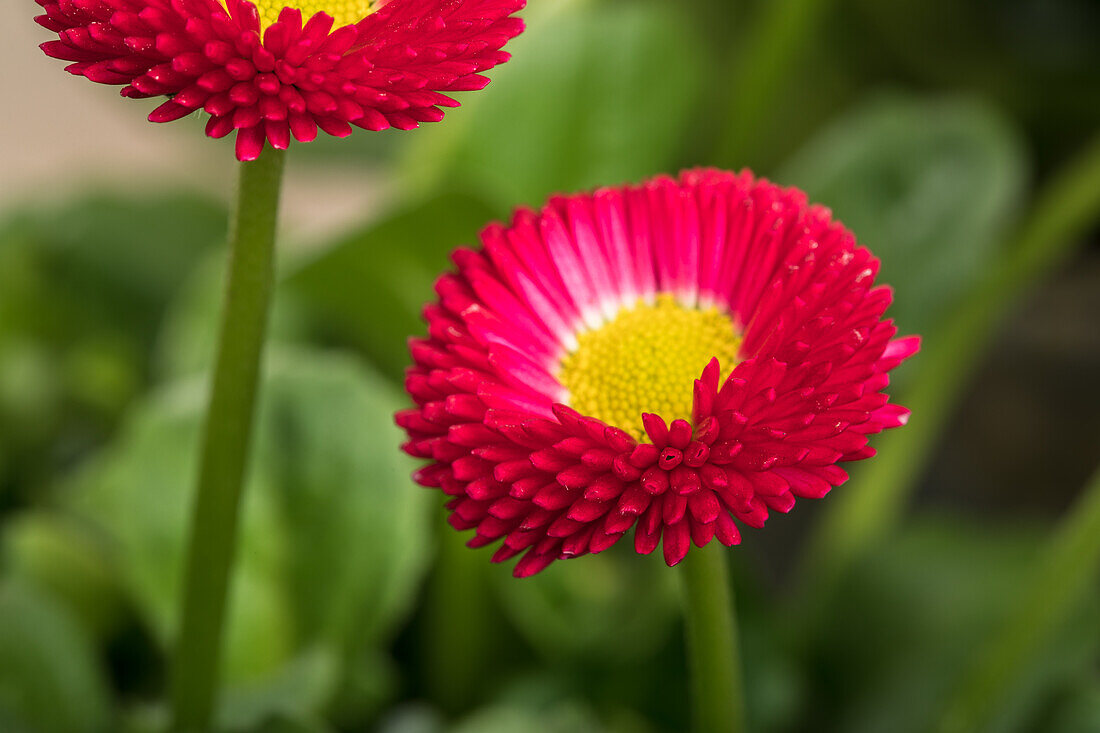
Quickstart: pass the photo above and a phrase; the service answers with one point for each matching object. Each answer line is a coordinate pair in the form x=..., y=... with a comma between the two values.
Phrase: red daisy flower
x=670, y=358
x=258, y=69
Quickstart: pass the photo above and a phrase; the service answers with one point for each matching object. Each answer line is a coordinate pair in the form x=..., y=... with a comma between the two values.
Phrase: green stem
x=717, y=701
x=458, y=597
x=225, y=443
x=870, y=507
x=1067, y=568
x=776, y=42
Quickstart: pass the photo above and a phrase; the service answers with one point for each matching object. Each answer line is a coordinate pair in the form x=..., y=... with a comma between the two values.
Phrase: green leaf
x=83, y=287
x=50, y=681
x=595, y=94
x=56, y=554
x=333, y=540
x=370, y=681
x=138, y=493
x=928, y=185
x=1081, y=712
x=368, y=289
x=527, y=705
x=910, y=618
x=589, y=610
x=1039, y=61
x=116, y=256
x=295, y=723
x=189, y=330
x=355, y=521
x=542, y=703
x=561, y=718
x=302, y=685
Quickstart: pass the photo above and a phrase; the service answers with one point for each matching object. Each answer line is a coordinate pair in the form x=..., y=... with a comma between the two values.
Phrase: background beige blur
x=61, y=135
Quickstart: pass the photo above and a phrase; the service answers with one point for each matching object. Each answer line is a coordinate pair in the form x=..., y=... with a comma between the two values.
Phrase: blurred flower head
x=271, y=71
x=670, y=357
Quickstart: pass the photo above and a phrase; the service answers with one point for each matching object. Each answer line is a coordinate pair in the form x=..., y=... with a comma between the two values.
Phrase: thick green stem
x=868, y=509
x=1068, y=566
x=225, y=443
x=717, y=702
x=458, y=597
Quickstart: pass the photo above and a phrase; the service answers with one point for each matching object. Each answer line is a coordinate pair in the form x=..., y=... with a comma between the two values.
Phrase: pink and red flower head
x=394, y=67
x=552, y=401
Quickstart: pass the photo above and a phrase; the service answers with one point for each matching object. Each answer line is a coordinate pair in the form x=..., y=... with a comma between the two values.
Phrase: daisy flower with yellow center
x=673, y=358
x=270, y=71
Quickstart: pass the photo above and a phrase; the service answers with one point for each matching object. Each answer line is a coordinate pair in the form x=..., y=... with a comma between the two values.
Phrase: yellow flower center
x=344, y=12
x=647, y=359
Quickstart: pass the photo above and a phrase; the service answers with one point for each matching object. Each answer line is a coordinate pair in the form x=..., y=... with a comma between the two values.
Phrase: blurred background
x=957, y=139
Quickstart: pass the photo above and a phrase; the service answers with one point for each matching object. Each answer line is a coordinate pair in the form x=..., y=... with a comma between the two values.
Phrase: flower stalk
x=717, y=701
x=225, y=442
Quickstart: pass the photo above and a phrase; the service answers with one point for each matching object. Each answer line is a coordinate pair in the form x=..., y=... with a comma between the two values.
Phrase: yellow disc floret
x=344, y=12
x=647, y=359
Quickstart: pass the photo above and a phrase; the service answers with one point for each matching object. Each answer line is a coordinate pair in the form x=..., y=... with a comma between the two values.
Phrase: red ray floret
x=395, y=68
x=551, y=483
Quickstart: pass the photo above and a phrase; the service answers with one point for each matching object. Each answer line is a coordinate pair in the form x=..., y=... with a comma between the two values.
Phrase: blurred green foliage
x=83, y=286
x=595, y=93
x=931, y=187
x=928, y=597
x=387, y=268
x=50, y=680
x=921, y=125
x=314, y=589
